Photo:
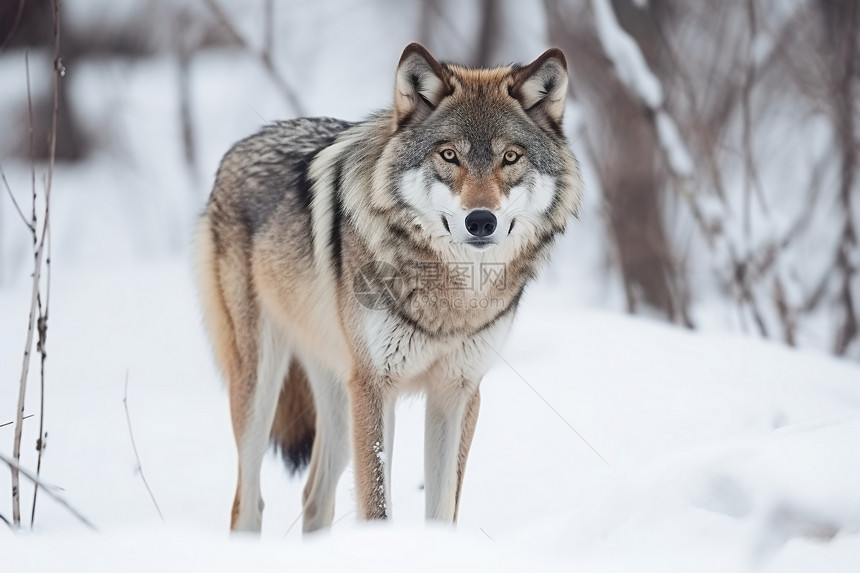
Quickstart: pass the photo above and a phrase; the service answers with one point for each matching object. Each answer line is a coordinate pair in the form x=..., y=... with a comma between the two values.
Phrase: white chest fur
x=405, y=355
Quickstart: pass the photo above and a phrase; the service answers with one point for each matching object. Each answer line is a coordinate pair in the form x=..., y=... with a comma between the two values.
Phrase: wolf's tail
x=295, y=420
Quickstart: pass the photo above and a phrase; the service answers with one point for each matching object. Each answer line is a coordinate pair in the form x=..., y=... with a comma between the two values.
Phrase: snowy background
x=680, y=392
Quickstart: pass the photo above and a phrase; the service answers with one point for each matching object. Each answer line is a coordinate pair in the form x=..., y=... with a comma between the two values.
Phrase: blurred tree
x=28, y=25
x=762, y=97
x=624, y=148
x=839, y=30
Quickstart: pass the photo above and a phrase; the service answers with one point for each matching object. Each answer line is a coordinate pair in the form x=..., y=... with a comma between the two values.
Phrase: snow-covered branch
x=633, y=71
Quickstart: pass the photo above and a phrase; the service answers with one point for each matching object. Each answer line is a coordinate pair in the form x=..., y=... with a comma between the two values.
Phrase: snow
x=723, y=452
x=679, y=158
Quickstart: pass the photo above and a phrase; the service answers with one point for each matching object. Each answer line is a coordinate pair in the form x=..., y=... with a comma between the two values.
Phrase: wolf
x=330, y=262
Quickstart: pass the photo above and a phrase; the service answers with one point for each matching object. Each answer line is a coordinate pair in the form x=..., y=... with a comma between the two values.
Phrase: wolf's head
x=478, y=155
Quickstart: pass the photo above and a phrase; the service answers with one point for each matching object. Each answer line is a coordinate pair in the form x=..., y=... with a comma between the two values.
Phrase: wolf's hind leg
x=253, y=411
x=331, y=448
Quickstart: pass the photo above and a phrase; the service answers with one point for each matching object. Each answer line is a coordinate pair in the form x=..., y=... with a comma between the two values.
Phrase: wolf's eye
x=510, y=158
x=450, y=156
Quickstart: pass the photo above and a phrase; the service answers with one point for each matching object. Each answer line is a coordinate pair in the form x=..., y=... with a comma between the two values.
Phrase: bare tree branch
x=751, y=180
x=15, y=25
x=136, y=456
x=268, y=28
x=845, y=45
x=489, y=32
x=49, y=489
x=25, y=367
x=42, y=324
x=31, y=127
x=4, y=424
x=264, y=56
x=14, y=202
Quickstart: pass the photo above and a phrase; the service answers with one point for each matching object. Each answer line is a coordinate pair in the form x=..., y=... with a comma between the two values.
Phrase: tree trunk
x=621, y=137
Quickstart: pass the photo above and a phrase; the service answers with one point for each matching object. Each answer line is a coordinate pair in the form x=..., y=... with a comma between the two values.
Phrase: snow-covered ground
x=723, y=453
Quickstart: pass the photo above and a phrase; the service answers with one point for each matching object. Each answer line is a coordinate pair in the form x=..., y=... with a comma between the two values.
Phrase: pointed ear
x=541, y=88
x=420, y=84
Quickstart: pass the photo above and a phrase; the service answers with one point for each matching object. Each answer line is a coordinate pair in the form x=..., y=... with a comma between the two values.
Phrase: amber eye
x=449, y=155
x=511, y=157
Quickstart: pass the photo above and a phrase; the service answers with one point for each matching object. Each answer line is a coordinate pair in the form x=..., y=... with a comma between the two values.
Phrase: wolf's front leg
x=449, y=425
x=469, y=422
x=369, y=400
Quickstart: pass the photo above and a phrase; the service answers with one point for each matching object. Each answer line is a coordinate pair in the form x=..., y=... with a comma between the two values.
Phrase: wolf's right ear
x=420, y=84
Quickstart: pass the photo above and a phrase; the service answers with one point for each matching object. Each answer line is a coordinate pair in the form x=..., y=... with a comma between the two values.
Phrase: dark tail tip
x=294, y=427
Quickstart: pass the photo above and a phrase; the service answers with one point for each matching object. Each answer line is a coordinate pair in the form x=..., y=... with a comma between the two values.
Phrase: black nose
x=481, y=223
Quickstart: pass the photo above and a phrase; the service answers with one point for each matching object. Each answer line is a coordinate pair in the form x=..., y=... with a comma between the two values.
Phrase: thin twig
x=551, y=407
x=136, y=456
x=15, y=25
x=38, y=255
x=14, y=201
x=844, y=104
x=298, y=517
x=268, y=28
x=49, y=489
x=746, y=123
x=31, y=130
x=264, y=56
x=4, y=424
x=42, y=325
x=341, y=518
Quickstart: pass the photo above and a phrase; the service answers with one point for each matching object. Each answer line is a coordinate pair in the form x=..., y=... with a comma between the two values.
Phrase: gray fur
x=300, y=208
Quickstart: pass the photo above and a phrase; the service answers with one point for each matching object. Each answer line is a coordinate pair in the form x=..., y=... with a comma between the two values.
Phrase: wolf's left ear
x=541, y=88
x=420, y=84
